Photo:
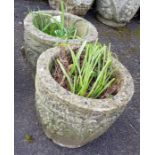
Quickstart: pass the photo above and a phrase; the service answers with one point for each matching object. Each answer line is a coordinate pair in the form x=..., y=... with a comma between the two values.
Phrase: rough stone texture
x=37, y=42
x=122, y=138
x=116, y=13
x=71, y=120
x=77, y=7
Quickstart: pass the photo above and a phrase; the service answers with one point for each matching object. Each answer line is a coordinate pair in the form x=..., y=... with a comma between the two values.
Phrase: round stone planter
x=116, y=13
x=71, y=120
x=78, y=7
x=35, y=41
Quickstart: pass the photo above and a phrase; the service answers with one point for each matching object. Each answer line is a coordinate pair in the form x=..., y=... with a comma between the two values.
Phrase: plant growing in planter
x=55, y=25
x=46, y=29
x=89, y=74
x=80, y=92
x=78, y=7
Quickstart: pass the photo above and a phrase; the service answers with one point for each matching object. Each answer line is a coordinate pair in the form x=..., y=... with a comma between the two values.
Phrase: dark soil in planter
x=65, y=59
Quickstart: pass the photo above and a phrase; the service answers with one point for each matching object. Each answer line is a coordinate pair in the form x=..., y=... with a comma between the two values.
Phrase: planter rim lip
x=121, y=99
x=29, y=26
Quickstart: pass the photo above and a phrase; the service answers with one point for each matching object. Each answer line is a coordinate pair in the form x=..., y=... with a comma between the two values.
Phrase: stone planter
x=116, y=13
x=78, y=7
x=71, y=120
x=35, y=41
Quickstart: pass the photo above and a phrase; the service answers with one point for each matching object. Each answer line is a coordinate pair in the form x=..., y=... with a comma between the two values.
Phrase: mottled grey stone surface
x=122, y=138
x=116, y=13
x=37, y=42
x=71, y=120
x=78, y=7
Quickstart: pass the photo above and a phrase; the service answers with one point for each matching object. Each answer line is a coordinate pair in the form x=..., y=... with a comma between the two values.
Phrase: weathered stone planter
x=78, y=7
x=116, y=13
x=36, y=41
x=71, y=120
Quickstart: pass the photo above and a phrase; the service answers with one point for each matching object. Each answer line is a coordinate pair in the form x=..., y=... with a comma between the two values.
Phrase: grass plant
x=54, y=26
x=91, y=72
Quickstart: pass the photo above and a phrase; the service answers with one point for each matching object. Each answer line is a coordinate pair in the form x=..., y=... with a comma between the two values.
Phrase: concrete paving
x=121, y=139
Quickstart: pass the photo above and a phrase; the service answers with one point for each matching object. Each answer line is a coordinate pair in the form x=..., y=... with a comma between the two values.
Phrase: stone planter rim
x=119, y=100
x=41, y=36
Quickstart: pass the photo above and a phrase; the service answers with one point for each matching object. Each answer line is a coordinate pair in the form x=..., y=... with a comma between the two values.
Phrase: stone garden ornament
x=116, y=13
x=71, y=120
x=78, y=7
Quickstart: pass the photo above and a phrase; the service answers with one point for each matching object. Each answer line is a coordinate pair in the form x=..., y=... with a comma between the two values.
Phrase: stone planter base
x=110, y=22
x=56, y=141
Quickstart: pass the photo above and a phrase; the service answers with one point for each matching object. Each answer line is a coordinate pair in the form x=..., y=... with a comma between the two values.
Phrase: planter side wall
x=33, y=48
x=68, y=125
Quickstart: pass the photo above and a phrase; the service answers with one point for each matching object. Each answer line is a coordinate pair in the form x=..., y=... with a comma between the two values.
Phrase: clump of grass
x=91, y=71
x=55, y=25
x=28, y=138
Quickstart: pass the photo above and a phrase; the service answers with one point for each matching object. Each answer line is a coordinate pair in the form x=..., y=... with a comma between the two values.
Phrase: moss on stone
x=137, y=32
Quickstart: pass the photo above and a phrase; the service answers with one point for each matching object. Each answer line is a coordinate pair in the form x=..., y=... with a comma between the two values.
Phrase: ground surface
x=121, y=139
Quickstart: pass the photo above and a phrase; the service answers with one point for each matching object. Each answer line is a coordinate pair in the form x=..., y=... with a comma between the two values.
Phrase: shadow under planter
x=71, y=120
x=36, y=41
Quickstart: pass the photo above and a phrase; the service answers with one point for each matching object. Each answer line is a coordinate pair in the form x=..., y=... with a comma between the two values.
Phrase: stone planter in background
x=71, y=120
x=78, y=7
x=36, y=41
x=116, y=13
